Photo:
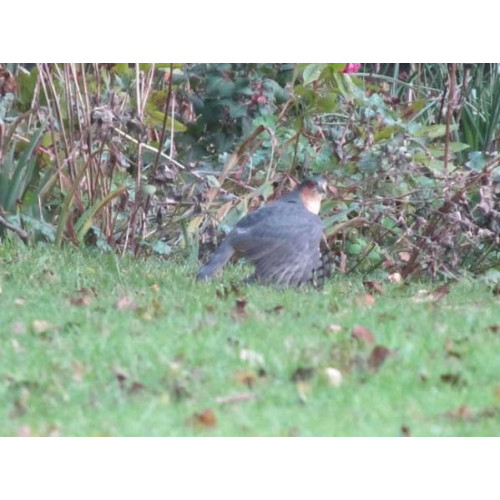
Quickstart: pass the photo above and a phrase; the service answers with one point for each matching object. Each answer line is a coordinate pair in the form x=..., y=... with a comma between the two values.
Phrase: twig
x=165, y=117
x=20, y=232
x=156, y=150
x=449, y=113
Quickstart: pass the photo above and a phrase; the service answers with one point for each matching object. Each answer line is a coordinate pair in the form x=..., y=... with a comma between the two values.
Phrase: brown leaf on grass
x=239, y=311
x=241, y=397
x=135, y=387
x=378, y=356
x=374, y=286
x=126, y=302
x=276, y=310
x=449, y=347
x=434, y=296
x=302, y=374
x=362, y=333
x=121, y=376
x=440, y=292
x=405, y=431
x=454, y=379
x=246, y=377
x=494, y=328
x=82, y=297
x=365, y=300
x=206, y=418
x=461, y=413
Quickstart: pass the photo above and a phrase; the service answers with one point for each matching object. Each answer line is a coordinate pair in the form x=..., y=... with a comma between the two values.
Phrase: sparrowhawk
x=282, y=239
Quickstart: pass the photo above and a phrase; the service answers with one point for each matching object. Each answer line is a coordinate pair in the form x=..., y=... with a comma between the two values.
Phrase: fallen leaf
x=454, y=379
x=440, y=292
x=405, y=256
x=302, y=374
x=206, y=418
x=365, y=300
x=121, y=376
x=405, y=431
x=494, y=328
x=333, y=376
x=247, y=378
x=83, y=297
x=135, y=387
x=333, y=328
x=239, y=311
x=373, y=286
x=461, y=413
x=241, y=397
x=434, y=296
x=41, y=326
x=362, y=333
x=252, y=357
x=395, y=278
x=378, y=356
x=276, y=310
x=126, y=302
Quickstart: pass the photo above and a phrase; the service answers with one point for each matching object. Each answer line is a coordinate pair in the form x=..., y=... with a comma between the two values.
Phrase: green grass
x=179, y=348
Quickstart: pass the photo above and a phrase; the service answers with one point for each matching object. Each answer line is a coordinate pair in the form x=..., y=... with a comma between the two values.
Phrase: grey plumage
x=282, y=240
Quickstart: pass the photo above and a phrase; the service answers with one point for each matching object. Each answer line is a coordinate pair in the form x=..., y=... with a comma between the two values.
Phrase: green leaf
x=312, y=72
x=456, y=147
x=85, y=221
x=435, y=131
x=155, y=119
x=477, y=160
x=161, y=248
x=122, y=69
x=385, y=133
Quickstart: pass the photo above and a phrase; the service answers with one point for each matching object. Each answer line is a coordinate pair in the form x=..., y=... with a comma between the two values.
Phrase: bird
x=282, y=240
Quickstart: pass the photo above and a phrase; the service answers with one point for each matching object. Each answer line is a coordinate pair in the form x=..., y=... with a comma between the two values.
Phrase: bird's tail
x=217, y=262
x=324, y=269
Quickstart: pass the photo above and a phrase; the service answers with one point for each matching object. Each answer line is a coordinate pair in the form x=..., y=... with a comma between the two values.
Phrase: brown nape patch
x=311, y=198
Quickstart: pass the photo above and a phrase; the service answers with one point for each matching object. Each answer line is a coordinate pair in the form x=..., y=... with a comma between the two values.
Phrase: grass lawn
x=93, y=345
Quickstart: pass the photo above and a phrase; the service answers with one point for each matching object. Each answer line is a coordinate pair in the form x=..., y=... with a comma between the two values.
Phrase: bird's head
x=312, y=192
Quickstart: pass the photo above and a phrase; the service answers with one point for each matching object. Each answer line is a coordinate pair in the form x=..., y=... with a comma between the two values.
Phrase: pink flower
x=351, y=68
